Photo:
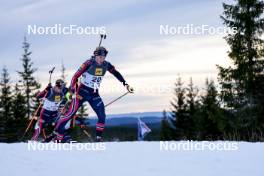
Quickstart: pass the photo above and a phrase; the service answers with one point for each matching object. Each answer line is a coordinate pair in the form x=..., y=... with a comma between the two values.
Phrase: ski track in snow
x=130, y=159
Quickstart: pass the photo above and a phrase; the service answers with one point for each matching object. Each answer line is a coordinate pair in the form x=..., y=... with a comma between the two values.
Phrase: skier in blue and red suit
x=92, y=72
x=52, y=97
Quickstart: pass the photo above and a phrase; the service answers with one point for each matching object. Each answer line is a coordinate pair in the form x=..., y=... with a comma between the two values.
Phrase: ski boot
x=98, y=139
x=49, y=138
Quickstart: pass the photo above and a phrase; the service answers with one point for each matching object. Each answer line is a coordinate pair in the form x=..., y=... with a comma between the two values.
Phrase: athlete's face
x=57, y=89
x=100, y=59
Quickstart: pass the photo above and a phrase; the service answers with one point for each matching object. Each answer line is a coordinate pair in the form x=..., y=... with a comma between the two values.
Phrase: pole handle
x=102, y=36
x=50, y=72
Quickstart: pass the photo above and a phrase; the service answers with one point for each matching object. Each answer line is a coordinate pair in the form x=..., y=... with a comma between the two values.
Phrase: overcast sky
x=148, y=60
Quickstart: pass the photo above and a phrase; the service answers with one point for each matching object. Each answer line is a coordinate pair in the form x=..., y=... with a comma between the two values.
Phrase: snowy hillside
x=133, y=159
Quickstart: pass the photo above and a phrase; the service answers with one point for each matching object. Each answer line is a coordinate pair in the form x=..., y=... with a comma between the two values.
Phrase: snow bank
x=133, y=158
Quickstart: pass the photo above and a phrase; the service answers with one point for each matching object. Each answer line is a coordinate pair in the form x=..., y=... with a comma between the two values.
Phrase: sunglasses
x=59, y=84
x=101, y=53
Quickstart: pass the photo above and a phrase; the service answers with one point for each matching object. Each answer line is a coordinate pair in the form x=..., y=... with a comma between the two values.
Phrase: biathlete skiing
x=91, y=72
x=53, y=97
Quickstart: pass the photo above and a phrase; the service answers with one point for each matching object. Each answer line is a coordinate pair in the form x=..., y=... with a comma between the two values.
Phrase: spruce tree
x=239, y=82
x=2, y=127
x=210, y=119
x=179, y=110
x=29, y=83
x=167, y=131
x=18, y=104
x=192, y=107
x=191, y=95
x=242, y=83
x=5, y=104
x=5, y=98
x=19, y=112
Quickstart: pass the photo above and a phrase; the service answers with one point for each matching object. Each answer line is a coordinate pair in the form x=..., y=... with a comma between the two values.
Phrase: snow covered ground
x=134, y=158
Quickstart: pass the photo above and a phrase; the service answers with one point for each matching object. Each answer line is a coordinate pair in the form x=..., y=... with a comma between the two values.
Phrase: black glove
x=48, y=87
x=129, y=88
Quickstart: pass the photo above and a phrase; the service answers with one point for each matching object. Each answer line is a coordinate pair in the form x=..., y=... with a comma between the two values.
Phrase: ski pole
x=111, y=102
x=31, y=121
x=87, y=134
x=102, y=36
x=44, y=133
x=50, y=72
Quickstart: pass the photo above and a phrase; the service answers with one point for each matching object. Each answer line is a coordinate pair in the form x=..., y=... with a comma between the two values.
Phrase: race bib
x=51, y=106
x=91, y=81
